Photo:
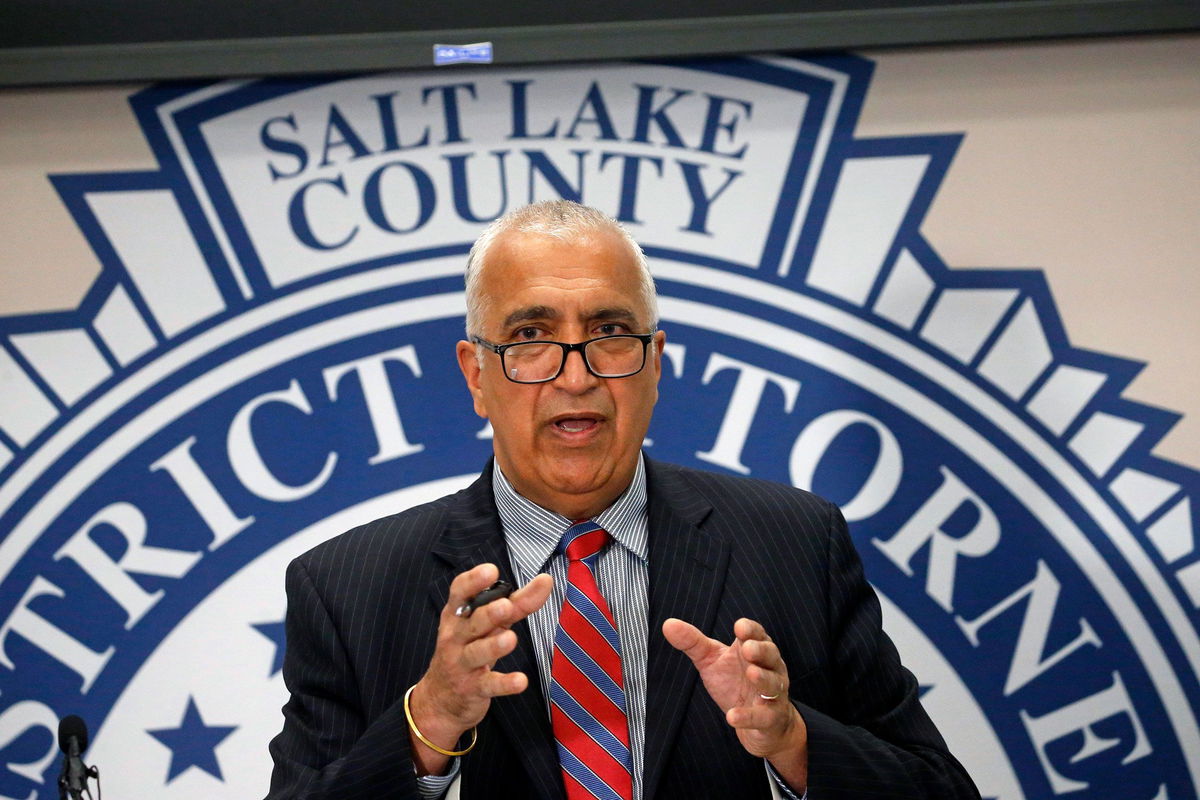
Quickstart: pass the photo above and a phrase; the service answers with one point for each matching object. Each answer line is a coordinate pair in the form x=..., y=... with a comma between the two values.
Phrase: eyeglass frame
x=567, y=349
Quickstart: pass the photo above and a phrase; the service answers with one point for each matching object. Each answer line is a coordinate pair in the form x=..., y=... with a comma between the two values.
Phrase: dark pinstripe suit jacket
x=362, y=618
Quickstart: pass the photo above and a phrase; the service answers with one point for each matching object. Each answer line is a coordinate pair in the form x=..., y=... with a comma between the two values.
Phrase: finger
x=507, y=611
x=501, y=684
x=468, y=584
x=486, y=619
x=763, y=717
x=747, y=629
x=488, y=650
x=532, y=596
x=690, y=640
x=767, y=683
x=764, y=654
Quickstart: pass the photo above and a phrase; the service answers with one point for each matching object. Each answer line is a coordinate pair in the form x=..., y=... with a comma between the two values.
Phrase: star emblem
x=193, y=743
x=275, y=632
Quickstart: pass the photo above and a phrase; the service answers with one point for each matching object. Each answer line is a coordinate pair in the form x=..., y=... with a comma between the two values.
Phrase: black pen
x=497, y=590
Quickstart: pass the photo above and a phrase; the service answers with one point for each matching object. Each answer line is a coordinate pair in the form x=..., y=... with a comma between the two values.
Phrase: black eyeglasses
x=617, y=356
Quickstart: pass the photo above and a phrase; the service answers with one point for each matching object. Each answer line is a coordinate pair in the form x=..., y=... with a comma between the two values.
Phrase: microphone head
x=72, y=726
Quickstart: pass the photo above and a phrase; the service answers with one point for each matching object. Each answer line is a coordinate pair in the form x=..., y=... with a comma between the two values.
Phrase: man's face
x=570, y=444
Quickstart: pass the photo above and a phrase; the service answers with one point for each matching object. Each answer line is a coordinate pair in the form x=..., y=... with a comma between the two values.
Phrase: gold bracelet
x=413, y=726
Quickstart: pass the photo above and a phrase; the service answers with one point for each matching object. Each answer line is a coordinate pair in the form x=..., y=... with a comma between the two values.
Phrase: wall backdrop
x=230, y=317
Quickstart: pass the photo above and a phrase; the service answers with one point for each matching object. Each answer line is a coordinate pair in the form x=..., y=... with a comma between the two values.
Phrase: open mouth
x=576, y=424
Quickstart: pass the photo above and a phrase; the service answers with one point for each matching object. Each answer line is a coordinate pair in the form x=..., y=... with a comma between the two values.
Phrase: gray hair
x=564, y=220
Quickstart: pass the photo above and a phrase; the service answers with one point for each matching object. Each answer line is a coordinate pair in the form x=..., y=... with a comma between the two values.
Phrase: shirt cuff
x=433, y=787
x=785, y=791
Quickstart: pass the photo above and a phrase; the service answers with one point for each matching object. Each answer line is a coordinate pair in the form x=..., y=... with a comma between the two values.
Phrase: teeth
x=573, y=427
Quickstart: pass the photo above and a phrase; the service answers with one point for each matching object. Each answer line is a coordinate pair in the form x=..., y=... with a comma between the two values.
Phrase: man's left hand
x=740, y=677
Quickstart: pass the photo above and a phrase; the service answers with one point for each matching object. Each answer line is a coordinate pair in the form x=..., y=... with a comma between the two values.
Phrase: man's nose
x=575, y=375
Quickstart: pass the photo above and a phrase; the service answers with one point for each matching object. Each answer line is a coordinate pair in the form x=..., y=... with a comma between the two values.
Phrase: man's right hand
x=456, y=691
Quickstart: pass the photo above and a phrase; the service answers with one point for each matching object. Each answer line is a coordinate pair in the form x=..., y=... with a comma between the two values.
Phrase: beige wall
x=1080, y=158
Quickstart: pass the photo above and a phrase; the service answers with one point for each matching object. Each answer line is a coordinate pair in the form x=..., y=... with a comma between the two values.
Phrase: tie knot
x=583, y=540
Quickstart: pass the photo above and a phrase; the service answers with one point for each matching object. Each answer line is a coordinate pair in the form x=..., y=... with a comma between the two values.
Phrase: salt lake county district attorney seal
x=266, y=360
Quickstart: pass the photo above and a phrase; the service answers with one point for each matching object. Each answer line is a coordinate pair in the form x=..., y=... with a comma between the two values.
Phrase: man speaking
x=675, y=633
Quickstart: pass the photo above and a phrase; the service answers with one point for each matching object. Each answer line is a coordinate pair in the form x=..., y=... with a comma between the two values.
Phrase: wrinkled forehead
x=587, y=273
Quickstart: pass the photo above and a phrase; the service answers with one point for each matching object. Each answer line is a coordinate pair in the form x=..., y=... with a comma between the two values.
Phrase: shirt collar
x=533, y=532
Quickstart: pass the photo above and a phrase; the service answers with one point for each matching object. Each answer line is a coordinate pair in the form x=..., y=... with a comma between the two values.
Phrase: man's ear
x=660, y=339
x=468, y=362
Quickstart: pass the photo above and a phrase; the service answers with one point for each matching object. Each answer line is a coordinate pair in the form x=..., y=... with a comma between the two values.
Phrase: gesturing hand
x=457, y=689
x=740, y=677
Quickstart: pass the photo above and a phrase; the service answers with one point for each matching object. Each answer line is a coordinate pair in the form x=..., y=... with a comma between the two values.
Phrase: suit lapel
x=473, y=536
x=687, y=573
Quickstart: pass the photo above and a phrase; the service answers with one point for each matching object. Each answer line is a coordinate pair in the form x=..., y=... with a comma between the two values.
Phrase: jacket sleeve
x=876, y=740
x=326, y=748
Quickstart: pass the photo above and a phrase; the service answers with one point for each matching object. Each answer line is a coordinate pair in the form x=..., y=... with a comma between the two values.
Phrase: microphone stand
x=72, y=780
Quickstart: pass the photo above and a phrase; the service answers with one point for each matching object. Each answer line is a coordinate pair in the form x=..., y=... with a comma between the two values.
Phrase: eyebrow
x=529, y=313
x=614, y=314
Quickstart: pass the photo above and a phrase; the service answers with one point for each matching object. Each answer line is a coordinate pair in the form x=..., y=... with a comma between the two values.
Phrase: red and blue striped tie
x=587, y=692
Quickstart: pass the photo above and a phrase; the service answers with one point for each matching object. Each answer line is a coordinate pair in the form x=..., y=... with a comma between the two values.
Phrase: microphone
x=73, y=741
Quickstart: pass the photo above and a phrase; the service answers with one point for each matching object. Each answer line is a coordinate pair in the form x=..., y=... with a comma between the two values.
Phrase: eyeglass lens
x=539, y=361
